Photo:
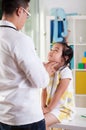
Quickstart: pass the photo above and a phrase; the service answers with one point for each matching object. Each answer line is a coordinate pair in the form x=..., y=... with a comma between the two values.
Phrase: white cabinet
x=77, y=39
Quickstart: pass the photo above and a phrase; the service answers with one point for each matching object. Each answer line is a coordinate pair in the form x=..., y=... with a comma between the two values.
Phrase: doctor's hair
x=67, y=53
x=10, y=6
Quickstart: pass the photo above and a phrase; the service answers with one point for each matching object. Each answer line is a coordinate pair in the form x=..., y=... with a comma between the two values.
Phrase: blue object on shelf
x=59, y=27
x=60, y=19
x=72, y=60
x=85, y=54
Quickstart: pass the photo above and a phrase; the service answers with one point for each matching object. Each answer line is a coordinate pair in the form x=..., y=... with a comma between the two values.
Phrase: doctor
x=22, y=74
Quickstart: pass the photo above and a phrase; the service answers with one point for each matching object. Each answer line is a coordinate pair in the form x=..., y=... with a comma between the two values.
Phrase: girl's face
x=55, y=55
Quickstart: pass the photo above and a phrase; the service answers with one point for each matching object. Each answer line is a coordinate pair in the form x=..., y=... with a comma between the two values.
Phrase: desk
x=78, y=123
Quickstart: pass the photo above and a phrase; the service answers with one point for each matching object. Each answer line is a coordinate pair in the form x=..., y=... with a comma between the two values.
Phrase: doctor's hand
x=51, y=67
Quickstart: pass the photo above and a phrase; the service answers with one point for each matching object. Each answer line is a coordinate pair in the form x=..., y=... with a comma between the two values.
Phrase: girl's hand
x=46, y=110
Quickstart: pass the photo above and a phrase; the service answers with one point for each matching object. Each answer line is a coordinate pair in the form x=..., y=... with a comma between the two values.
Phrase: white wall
x=78, y=6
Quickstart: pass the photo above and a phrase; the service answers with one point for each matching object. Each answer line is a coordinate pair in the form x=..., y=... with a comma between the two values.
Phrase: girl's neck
x=61, y=65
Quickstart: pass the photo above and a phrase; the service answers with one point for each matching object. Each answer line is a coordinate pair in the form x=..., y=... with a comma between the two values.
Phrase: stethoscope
x=6, y=26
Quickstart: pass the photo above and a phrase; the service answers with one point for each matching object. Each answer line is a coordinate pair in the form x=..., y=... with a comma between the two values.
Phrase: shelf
x=75, y=17
x=79, y=55
x=81, y=95
x=80, y=44
x=80, y=70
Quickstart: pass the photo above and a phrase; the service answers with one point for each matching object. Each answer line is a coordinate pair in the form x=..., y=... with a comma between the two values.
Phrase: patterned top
x=66, y=104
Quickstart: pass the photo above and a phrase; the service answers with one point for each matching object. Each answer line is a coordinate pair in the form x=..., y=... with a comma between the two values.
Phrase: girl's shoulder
x=65, y=68
x=66, y=72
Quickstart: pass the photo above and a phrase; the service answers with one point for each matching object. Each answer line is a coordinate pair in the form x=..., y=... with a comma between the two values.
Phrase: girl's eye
x=54, y=50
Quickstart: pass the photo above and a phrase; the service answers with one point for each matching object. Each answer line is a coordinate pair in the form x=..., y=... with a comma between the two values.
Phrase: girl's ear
x=62, y=59
x=66, y=58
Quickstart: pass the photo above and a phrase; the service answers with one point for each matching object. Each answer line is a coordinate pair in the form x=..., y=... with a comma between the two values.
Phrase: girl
x=58, y=98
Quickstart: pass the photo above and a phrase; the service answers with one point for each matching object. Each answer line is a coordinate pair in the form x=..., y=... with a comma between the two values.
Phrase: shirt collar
x=5, y=22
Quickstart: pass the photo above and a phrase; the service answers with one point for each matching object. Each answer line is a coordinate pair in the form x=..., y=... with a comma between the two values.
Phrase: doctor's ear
x=19, y=11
